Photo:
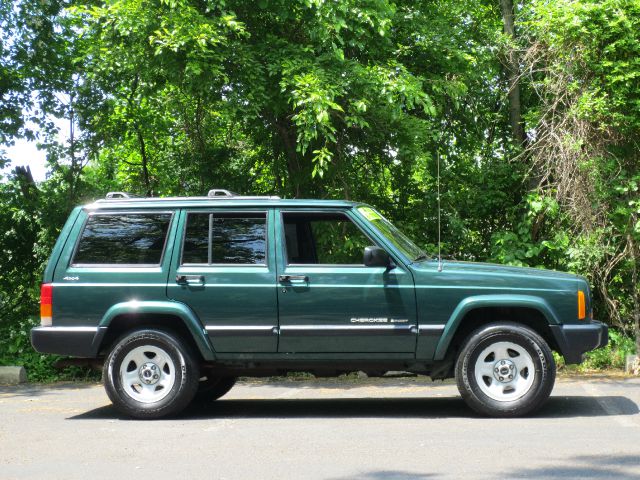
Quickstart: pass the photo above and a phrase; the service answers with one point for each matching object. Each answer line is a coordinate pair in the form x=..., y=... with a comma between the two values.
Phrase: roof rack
x=221, y=192
x=214, y=194
x=114, y=195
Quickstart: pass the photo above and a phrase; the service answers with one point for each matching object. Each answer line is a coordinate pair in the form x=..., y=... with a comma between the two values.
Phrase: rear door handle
x=190, y=279
x=293, y=279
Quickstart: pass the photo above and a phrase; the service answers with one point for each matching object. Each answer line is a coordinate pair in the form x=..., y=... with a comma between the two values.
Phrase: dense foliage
x=532, y=114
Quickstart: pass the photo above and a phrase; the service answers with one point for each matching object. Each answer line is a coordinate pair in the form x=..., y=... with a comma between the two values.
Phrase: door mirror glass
x=376, y=257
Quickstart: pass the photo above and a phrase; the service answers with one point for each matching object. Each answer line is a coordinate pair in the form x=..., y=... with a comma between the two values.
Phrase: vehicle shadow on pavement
x=442, y=407
x=584, y=466
x=587, y=406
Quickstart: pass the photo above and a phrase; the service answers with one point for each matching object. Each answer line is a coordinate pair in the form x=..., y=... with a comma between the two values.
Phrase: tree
x=583, y=61
x=512, y=69
x=356, y=99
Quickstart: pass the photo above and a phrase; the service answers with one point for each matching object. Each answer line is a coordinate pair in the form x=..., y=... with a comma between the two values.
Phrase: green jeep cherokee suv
x=180, y=296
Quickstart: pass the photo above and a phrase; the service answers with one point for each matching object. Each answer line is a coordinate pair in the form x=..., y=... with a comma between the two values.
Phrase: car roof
x=224, y=202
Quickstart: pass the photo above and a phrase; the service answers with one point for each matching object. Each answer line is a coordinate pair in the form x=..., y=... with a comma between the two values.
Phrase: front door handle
x=190, y=279
x=293, y=279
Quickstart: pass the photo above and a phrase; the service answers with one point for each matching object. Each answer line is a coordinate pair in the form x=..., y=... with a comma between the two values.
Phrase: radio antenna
x=438, y=200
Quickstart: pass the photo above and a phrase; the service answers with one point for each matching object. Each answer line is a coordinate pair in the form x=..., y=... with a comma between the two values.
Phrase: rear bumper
x=72, y=341
x=574, y=340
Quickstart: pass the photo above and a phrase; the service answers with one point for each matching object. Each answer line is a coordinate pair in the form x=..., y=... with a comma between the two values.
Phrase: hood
x=494, y=276
x=505, y=269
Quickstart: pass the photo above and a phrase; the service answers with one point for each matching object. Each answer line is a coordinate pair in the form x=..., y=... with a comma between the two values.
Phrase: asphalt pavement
x=392, y=428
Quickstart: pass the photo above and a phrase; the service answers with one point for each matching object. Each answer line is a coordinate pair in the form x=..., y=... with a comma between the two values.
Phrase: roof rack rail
x=221, y=192
x=214, y=194
x=112, y=195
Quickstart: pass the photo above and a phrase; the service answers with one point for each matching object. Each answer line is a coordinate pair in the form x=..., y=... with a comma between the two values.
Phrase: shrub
x=16, y=349
x=611, y=356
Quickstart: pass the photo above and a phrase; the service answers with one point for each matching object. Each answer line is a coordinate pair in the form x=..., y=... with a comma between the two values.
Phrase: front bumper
x=72, y=341
x=574, y=340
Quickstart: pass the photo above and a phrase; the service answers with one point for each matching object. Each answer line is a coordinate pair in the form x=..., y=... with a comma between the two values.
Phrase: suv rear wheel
x=150, y=374
x=213, y=387
x=505, y=370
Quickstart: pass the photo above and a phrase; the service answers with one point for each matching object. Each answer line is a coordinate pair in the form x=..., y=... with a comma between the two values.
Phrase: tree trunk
x=635, y=288
x=143, y=147
x=74, y=171
x=28, y=186
x=512, y=68
x=286, y=133
x=145, y=162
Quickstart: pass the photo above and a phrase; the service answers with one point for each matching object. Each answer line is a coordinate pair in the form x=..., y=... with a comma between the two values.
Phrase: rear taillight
x=46, y=300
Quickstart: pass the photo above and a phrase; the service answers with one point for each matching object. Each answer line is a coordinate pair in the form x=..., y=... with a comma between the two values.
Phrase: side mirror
x=377, y=257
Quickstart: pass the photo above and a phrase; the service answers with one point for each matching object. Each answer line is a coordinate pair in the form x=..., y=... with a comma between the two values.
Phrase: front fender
x=171, y=308
x=483, y=301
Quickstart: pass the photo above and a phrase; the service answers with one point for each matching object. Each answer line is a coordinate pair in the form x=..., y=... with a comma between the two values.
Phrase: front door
x=329, y=302
x=225, y=271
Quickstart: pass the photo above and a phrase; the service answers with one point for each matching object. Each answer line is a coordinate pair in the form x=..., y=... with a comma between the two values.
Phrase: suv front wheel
x=150, y=374
x=505, y=370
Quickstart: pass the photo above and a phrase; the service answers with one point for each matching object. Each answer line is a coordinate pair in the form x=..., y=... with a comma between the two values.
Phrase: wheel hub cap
x=504, y=371
x=149, y=373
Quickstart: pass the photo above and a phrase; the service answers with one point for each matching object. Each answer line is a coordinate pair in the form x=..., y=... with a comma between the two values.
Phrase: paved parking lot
x=407, y=428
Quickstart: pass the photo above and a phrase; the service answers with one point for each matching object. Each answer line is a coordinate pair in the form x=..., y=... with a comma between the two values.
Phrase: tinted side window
x=196, y=239
x=323, y=238
x=235, y=238
x=123, y=239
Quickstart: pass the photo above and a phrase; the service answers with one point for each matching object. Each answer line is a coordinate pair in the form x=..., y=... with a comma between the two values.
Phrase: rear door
x=329, y=302
x=225, y=271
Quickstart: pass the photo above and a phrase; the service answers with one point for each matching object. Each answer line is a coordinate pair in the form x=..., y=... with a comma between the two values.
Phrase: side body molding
x=176, y=309
x=482, y=301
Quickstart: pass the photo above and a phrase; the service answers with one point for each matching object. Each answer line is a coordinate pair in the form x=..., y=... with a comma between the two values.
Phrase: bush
x=611, y=356
x=16, y=349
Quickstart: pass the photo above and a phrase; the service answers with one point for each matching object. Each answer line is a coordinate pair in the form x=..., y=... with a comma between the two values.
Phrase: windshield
x=391, y=233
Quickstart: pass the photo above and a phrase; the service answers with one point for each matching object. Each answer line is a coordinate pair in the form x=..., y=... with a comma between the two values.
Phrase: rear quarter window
x=123, y=239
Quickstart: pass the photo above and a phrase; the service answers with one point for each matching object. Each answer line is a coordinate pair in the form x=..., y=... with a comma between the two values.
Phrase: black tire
x=212, y=387
x=159, y=358
x=514, y=364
